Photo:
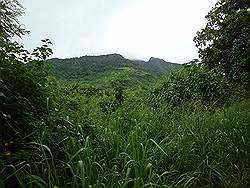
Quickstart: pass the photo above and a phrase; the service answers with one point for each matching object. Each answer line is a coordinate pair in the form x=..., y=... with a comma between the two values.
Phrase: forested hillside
x=95, y=68
x=106, y=121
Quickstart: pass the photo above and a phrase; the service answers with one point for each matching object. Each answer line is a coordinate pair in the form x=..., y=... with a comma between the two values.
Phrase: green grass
x=138, y=146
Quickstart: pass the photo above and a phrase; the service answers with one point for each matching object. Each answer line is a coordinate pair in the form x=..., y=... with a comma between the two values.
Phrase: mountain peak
x=153, y=59
x=114, y=55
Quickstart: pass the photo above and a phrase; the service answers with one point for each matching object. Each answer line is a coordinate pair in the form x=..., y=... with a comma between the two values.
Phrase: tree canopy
x=224, y=42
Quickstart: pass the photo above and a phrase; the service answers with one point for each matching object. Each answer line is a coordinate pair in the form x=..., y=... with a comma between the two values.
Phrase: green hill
x=95, y=68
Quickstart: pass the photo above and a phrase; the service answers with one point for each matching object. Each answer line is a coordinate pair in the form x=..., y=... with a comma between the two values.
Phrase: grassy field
x=136, y=146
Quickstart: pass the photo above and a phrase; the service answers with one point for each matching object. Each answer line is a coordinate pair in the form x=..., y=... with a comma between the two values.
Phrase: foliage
x=95, y=68
x=22, y=77
x=192, y=82
x=10, y=10
x=126, y=148
x=224, y=42
x=80, y=134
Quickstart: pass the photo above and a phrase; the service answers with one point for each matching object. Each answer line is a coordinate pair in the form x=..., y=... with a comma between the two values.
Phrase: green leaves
x=42, y=52
x=10, y=10
x=192, y=82
x=23, y=78
x=224, y=43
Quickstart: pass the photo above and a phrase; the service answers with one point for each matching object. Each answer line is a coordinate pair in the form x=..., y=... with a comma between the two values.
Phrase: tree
x=23, y=78
x=224, y=43
x=10, y=10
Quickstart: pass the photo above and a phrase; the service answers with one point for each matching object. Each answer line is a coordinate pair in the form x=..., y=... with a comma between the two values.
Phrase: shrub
x=192, y=81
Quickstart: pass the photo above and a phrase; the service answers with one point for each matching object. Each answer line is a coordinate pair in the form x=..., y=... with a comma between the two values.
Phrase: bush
x=191, y=82
x=23, y=93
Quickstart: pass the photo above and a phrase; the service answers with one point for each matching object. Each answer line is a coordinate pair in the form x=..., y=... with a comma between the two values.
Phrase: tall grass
x=138, y=146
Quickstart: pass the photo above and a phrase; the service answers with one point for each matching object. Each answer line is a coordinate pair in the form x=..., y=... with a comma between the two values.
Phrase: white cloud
x=160, y=28
x=135, y=28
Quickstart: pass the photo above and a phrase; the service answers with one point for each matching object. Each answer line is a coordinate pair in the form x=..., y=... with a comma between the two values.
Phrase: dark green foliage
x=22, y=79
x=82, y=89
x=137, y=145
x=192, y=82
x=23, y=98
x=224, y=42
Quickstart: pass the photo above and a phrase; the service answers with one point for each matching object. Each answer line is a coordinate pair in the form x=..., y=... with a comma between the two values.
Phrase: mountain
x=94, y=68
x=157, y=66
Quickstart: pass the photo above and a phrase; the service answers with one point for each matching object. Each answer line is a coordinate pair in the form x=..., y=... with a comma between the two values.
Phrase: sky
x=136, y=29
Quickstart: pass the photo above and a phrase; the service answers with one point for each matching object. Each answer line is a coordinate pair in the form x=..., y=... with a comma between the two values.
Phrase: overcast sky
x=136, y=29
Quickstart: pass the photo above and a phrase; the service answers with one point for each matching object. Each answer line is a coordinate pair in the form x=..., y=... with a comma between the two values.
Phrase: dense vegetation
x=224, y=42
x=97, y=68
x=189, y=128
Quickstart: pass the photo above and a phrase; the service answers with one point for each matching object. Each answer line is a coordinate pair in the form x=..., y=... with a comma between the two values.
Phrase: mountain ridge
x=90, y=67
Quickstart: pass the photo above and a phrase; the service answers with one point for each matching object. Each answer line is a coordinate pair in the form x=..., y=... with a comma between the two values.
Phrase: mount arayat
x=96, y=68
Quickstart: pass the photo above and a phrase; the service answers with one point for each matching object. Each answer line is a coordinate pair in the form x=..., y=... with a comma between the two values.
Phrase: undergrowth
x=133, y=145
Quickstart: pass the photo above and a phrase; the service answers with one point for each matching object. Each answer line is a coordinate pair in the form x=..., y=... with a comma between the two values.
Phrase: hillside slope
x=93, y=68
